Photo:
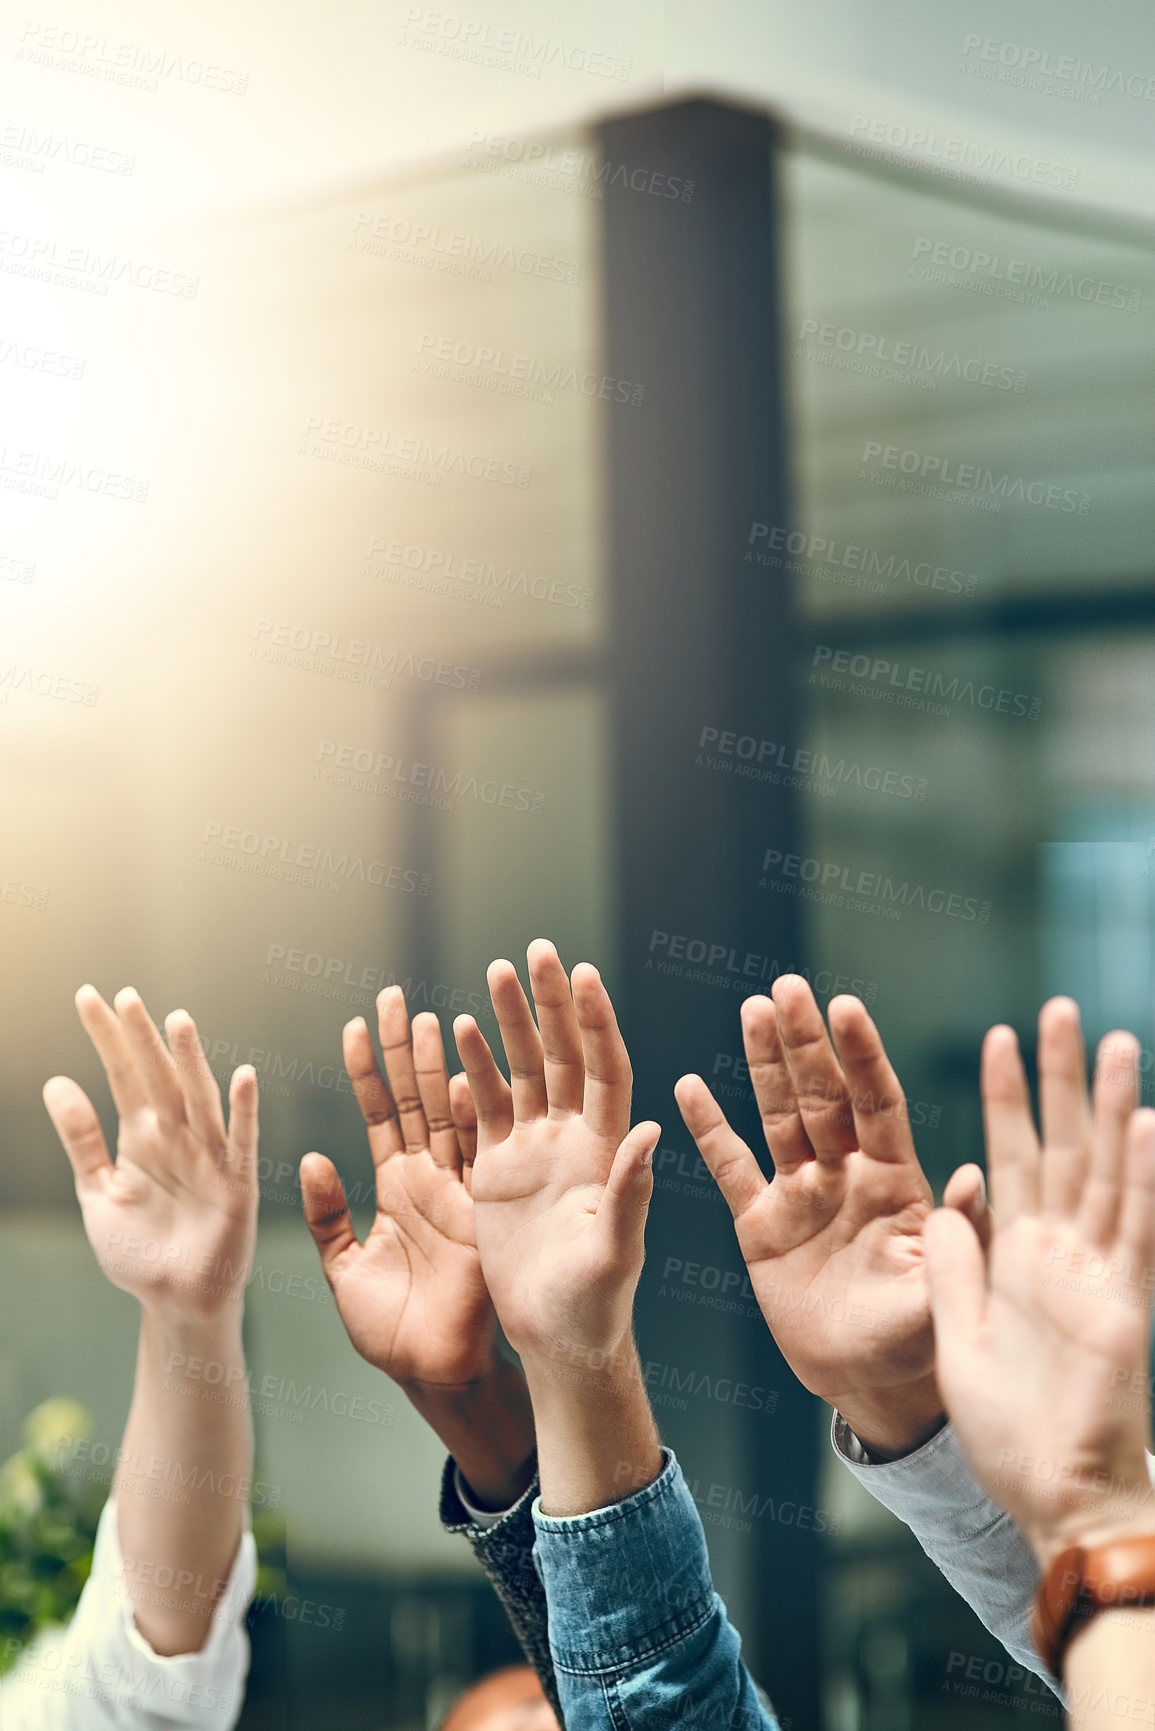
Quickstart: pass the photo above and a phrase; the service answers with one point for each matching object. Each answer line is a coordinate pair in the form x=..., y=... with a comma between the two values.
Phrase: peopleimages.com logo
x=959, y=158
x=972, y=478
x=1036, y=66
x=1016, y=279
x=862, y=891
x=865, y=567
x=923, y=688
x=903, y=360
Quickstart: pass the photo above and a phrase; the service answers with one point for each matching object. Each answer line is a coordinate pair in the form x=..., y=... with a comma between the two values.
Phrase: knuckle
x=376, y=1115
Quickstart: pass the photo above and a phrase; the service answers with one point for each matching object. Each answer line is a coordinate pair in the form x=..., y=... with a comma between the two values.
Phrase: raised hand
x=174, y=1223
x=560, y=1182
x=412, y=1297
x=1045, y=1365
x=834, y=1244
x=561, y=1186
x=174, y=1220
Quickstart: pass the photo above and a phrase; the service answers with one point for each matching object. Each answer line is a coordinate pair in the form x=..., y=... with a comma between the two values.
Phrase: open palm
x=834, y=1244
x=1041, y=1355
x=555, y=1180
x=412, y=1297
x=173, y=1221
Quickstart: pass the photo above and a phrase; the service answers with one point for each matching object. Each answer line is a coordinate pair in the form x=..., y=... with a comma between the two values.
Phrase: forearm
x=597, y=1442
x=182, y=1484
x=487, y=1426
x=1109, y=1673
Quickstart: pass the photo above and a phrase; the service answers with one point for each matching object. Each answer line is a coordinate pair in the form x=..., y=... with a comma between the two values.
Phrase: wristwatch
x=1080, y=1582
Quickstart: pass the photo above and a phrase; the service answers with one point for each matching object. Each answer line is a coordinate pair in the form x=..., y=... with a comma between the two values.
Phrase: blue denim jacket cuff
x=625, y=1583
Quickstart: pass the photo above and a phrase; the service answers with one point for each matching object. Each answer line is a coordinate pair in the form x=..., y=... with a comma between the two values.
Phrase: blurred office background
x=701, y=442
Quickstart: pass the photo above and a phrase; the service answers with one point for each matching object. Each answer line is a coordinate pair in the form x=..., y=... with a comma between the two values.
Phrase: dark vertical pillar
x=701, y=640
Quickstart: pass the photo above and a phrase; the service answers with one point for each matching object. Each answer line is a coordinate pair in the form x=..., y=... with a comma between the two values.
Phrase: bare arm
x=173, y=1222
x=179, y=1548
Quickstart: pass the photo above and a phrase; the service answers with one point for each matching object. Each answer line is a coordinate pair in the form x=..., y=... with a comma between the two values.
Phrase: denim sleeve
x=640, y=1639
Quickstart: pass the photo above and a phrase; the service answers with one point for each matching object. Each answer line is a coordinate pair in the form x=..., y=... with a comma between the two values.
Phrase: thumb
x=956, y=1273
x=78, y=1127
x=326, y=1211
x=966, y=1191
x=621, y=1217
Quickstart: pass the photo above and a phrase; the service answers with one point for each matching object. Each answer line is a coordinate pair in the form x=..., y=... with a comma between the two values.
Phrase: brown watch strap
x=1080, y=1582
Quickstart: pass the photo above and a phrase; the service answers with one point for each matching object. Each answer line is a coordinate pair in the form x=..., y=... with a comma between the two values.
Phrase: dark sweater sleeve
x=505, y=1552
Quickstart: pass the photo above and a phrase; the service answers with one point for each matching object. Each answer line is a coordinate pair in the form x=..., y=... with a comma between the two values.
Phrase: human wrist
x=1128, y=1512
x=559, y=1364
x=893, y=1423
x=176, y=1330
x=486, y=1424
x=216, y=1290
x=597, y=1440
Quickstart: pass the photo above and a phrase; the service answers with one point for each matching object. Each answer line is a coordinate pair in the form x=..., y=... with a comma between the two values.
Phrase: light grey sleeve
x=967, y=1537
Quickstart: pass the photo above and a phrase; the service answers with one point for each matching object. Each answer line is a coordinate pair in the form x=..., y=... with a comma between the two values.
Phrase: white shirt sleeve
x=968, y=1537
x=483, y=1518
x=100, y=1674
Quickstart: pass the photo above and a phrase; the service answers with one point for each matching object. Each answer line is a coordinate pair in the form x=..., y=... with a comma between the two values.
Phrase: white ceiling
x=338, y=93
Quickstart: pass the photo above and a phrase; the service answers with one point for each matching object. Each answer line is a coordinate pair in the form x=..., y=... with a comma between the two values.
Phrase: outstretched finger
x=1064, y=1110
x=326, y=1211
x=557, y=1022
x=1137, y=1211
x=823, y=1097
x=492, y=1095
x=1012, y=1145
x=433, y=1087
x=522, y=1042
x=151, y=1056
x=773, y=1085
x=244, y=1129
x=1114, y=1098
x=465, y=1123
x=102, y=1025
x=78, y=1127
x=609, y=1078
x=397, y=1049
x=732, y=1165
x=876, y=1097
x=378, y=1107
x=202, y=1097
